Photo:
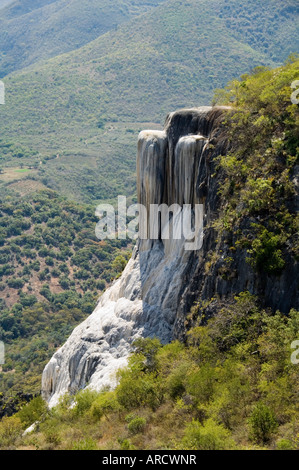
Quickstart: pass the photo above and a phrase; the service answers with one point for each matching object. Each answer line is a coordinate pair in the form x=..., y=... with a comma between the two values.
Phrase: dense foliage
x=52, y=271
x=258, y=192
x=231, y=386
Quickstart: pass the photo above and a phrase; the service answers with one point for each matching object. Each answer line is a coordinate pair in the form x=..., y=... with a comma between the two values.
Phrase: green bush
x=201, y=383
x=10, y=430
x=262, y=422
x=52, y=436
x=284, y=444
x=84, y=401
x=207, y=436
x=125, y=444
x=15, y=283
x=145, y=354
x=135, y=391
x=104, y=404
x=266, y=252
x=85, y=444
x=34, y=411
x=137, y=425
x=176, y=381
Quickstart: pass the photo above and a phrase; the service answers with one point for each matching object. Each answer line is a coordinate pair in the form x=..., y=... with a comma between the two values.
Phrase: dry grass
x=26, y=186
x=16, y=174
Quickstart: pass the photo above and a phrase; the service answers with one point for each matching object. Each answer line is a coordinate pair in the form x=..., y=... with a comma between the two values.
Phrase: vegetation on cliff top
x=258, y=192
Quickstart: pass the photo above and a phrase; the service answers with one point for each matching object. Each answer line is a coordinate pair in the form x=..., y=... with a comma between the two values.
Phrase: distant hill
x=31, y=30
x=80, y=113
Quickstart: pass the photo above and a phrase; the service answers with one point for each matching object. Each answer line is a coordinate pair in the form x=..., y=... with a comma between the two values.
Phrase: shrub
x=125, y=444
x=101, y=284
x=52, y=436
x=201, y=383
x=64, y=283
x=85, y=444
x=207, y=436
x=33, y=411
x=10, y=429
x=175, y=382
x=104, y=404
x=101, y=123
x=137, y=425
x=146, y=350
x=49, y=261
x=84, y=401
x=266, y=253
x=284, y=444
x=28, y=300
x=134, y=391
x=262, y=422
x=15, y=283
x=119, y=264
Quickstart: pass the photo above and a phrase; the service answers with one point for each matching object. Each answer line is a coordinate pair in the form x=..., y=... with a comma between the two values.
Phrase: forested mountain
x=75, y=118
x=31, y=30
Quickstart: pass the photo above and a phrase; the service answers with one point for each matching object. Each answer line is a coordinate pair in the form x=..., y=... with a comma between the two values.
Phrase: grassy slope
x=174, y=56
x=33, y=30
x=231, y=387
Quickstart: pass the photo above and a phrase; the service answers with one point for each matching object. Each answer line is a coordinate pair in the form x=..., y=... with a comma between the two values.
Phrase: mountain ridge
x=32, y=31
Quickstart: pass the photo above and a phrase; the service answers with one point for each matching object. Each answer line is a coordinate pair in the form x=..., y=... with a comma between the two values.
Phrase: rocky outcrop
x=145, y=300
x=163, y=279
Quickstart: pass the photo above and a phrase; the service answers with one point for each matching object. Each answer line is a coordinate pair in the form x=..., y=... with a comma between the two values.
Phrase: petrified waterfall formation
x=171, y=169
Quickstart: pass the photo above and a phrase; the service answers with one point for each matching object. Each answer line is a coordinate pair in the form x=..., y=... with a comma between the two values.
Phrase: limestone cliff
x=163, y=279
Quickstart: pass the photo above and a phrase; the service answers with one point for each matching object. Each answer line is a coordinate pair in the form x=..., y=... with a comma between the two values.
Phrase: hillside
x=79, y=113
x=229, y=380
x=32, y=30
x=230, y=387
x=52, y=271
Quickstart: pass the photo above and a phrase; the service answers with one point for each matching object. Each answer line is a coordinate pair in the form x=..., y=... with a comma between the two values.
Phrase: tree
x=263, y=423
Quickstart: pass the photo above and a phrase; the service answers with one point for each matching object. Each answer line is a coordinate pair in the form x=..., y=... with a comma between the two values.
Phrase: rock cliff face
x=163, y=278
